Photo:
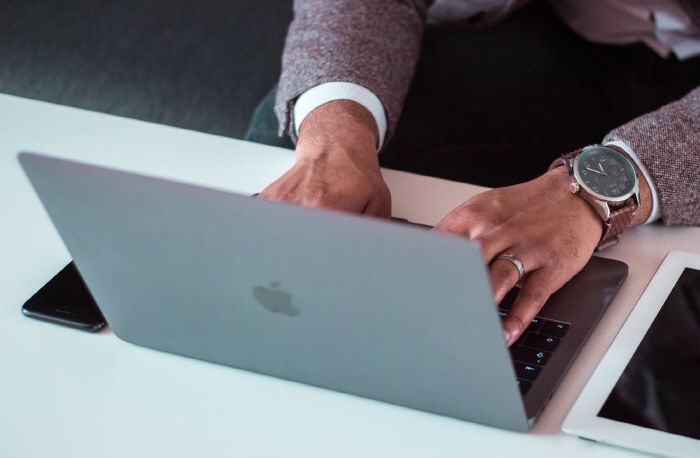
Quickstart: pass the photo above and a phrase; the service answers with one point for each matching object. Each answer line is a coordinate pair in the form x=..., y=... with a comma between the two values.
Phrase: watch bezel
x=598, y=196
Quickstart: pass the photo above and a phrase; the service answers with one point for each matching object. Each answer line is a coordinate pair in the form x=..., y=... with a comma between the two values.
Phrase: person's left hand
x=550, y=230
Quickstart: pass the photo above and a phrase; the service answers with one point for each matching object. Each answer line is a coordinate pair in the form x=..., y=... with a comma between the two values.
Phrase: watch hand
x=596, y=171
x=600, y=166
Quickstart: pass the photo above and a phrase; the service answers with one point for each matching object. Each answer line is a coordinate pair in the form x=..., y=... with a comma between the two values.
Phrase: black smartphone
x=66, y=300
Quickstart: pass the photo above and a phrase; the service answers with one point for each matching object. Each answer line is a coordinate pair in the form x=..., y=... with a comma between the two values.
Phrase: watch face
x=606, y=173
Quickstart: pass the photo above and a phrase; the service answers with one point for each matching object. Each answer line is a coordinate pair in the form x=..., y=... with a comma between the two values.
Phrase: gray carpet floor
x=201, y=65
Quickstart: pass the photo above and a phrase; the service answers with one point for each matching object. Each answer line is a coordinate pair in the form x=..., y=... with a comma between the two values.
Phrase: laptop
x=385, y=311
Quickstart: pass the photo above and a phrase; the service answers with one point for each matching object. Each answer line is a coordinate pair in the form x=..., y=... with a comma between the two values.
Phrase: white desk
x=65, y=393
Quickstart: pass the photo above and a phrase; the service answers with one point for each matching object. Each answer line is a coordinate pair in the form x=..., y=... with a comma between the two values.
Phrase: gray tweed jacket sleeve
x=668, y=143
x=346, y=40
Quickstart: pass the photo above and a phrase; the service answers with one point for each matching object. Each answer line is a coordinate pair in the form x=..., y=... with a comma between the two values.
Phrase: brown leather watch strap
x=621, y=216
x=558, y=162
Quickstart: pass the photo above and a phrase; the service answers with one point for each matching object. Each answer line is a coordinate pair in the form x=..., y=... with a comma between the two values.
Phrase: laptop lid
x=351, y=304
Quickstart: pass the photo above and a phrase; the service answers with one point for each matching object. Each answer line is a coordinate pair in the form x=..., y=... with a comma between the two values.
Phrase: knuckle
x=525, y=239
x=314, y=200
x=455, y=223
x=501, y=274
x=550, y=260
x=316, y=197
x=497, y=200
x=557, y=259
x=472, y=209
x=534, y=298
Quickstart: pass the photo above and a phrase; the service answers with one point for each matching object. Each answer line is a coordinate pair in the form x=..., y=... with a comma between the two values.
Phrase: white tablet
x=645, y=393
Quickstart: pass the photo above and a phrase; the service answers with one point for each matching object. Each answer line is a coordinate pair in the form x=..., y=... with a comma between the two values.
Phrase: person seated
x=496, y=106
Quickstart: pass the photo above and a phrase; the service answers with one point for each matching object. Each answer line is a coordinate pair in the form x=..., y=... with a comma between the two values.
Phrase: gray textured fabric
x=668, y=143
x=346, y=40
x=375, y=43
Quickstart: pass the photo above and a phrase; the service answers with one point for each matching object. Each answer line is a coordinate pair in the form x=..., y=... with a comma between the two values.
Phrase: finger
x=459, y=221
x=504, y=274
x=469, y=221
x=535, y=291
x=497, y=243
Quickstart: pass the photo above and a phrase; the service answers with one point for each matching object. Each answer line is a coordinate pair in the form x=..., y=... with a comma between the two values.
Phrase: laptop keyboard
x=534, y=348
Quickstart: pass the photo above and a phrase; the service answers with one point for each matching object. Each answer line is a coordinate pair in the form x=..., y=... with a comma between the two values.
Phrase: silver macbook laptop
x=380, y=310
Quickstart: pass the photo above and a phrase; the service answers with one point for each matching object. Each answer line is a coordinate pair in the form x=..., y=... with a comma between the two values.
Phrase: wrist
x=338, y=127
x=567, y=199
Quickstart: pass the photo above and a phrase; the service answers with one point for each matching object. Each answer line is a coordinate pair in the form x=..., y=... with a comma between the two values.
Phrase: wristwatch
x=605, y=178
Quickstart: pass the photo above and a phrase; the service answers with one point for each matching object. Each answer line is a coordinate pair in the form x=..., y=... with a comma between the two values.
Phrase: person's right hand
x=336, y=164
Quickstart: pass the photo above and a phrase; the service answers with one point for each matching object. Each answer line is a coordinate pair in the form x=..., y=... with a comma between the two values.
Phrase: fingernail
x=506, y=336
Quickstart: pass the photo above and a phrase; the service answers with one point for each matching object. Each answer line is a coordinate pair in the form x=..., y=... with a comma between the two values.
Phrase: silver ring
x=515, y=261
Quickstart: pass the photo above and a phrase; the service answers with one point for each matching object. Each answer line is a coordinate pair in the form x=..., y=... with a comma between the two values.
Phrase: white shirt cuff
x=338, y=90
x=655, y=207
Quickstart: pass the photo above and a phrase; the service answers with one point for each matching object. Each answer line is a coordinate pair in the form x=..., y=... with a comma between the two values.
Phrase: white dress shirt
x=339, y=90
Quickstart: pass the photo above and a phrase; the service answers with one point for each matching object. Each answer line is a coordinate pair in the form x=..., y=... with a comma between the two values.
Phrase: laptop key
x=526, y=371
x=535, y=324
x=524, y=386
x=521, y=339
x=529, y=355
x=541, y=342
x=552, y=328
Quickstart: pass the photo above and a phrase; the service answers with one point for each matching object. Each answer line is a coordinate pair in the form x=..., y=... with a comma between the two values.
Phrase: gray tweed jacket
x=375, y=43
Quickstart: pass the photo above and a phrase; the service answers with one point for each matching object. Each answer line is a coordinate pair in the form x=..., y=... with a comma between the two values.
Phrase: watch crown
x=575, y=187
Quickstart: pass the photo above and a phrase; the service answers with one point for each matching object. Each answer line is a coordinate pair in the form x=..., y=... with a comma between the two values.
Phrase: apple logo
x=275, y=300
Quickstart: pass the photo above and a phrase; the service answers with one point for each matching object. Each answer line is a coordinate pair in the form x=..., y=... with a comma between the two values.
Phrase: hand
x=550, y=230
x=336, y=163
